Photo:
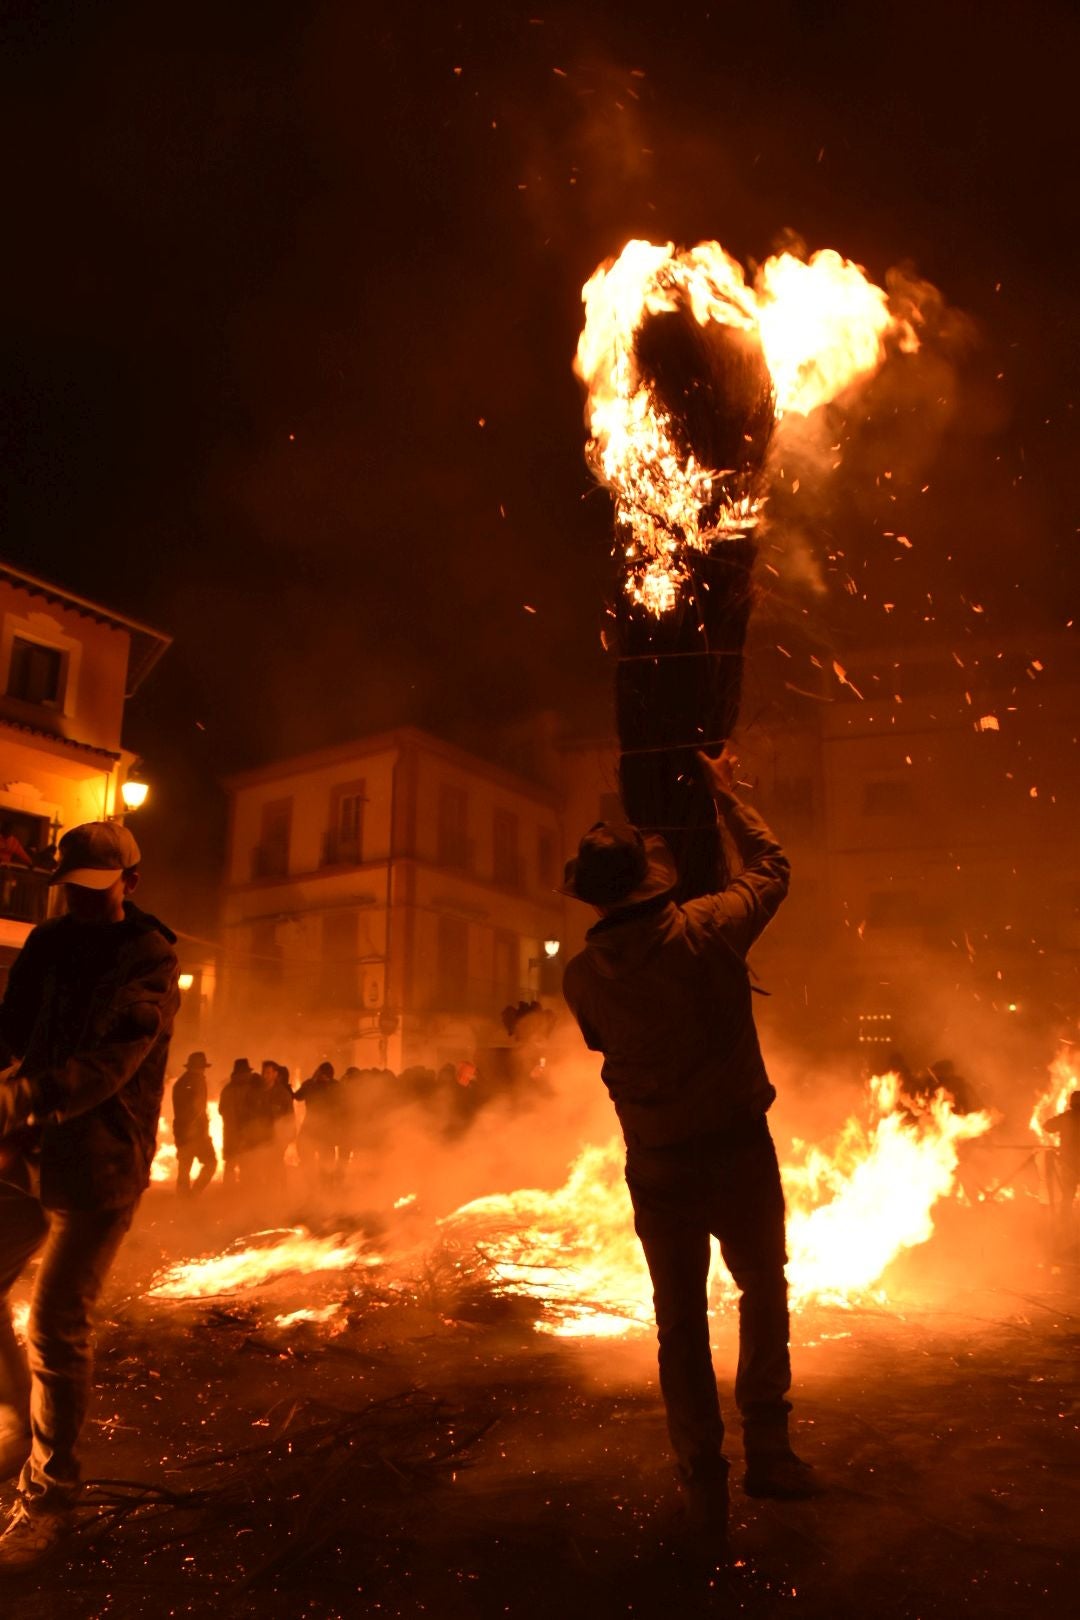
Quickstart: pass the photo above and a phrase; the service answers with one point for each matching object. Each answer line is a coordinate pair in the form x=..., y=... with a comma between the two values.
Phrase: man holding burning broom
x=663, y=991
x=688, y=370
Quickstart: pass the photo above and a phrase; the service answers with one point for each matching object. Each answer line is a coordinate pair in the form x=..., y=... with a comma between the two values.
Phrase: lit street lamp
x=134, y=791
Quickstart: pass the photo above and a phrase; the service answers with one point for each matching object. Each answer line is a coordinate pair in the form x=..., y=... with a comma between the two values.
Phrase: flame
x=851, y=1210
x=1064, y=1080
x=850, y=1213
x=309, y=1313
x=822, y=326
x=163, y=1168
x=257, y=1262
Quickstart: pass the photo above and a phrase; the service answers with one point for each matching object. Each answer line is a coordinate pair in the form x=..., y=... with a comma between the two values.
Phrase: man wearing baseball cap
x=663, y=991
x=84, y=1037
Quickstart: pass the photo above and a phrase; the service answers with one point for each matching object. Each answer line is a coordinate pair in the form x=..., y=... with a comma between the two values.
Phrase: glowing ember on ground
x=573, y=1249
x=263, y=1258
x=321, y=1313
x=821, y=324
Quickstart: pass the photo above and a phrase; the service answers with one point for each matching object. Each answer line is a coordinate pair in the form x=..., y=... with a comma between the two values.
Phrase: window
x=892, y=798
x=270, y=857
x=506, y=869
x=36, y=673
x=453, y=826
x=545, y=859
x=340, y=984
x=345, y=835
x=453, y=964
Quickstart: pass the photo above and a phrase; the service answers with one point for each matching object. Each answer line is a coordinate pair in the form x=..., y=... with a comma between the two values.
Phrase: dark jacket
x=237, y=1106
x=88, y=1012
x=191, y=1121
x=664, y=992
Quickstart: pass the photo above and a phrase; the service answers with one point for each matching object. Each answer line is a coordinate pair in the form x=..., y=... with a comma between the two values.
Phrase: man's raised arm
x=752, y=898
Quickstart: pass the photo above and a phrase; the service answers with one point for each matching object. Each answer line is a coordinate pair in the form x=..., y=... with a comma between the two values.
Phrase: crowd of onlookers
x=342, y=1116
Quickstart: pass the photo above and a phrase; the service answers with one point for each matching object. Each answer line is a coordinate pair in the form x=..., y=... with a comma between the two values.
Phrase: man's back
x=664, y=992
x=90, y=1008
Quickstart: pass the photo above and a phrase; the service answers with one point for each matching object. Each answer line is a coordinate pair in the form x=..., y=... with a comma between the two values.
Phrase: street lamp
x=134, y=791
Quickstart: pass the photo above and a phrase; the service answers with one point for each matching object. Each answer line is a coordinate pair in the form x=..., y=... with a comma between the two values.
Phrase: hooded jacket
x=663, y=991
x=88, y=1014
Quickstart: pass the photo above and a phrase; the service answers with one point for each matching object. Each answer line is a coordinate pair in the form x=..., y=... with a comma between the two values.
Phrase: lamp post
x=134, y=791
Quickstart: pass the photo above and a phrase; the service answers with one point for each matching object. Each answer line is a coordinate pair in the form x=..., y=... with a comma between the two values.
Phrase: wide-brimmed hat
x=616, y=865
x=197, y=1060
x=241, y=1066
x=94, y=855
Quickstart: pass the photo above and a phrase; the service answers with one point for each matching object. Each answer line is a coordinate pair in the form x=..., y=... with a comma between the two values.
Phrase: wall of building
x=406, y=955
x=94, y=664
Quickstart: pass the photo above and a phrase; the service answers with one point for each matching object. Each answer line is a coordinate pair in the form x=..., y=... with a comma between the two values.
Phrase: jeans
x=727, y=1186
x=47, y=1387
x=199, y=1148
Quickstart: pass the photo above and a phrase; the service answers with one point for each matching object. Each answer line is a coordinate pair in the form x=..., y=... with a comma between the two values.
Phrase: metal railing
x=24, y=894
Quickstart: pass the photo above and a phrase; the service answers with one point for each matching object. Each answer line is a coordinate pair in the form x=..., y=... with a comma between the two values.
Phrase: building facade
x=67, y=665
x=384, y=901
x=928, y=806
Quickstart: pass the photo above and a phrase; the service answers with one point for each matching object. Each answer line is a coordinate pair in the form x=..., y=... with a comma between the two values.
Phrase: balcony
x=24, y=894
x=340, y=851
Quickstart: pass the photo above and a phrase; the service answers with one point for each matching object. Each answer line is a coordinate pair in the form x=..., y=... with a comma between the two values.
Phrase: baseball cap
x=93, y=855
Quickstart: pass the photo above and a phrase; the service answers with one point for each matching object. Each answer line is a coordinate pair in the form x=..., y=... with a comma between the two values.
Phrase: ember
x=262, y=1258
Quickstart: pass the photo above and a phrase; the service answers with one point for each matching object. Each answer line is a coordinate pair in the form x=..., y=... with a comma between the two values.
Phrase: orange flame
x=1064, y=1080
x=255, y=1262
x=822, y=326
x=851, y=1211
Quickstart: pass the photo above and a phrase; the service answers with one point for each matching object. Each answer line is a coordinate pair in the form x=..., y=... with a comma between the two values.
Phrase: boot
x=781, y=1475
x=705, y=1498
x=772, y=1468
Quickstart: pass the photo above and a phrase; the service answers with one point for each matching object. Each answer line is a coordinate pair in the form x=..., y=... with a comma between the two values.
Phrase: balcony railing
x=24, y=894
x=340, y=851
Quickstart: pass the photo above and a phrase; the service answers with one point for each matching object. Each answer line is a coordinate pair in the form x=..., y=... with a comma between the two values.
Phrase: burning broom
x=688, y=371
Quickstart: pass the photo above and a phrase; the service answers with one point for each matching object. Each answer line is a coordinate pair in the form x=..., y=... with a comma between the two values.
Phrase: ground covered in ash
x=425, y=1452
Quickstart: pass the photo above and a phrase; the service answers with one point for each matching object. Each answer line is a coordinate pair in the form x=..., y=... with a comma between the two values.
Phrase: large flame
x=822, y=326
x=851, y=1211
x=1064, y=1080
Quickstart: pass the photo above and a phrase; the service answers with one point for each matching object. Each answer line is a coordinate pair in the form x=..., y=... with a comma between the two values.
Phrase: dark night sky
x=269, y=268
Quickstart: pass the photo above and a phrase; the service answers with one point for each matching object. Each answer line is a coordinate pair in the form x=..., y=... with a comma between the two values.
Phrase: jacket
x=663, y=991
x=189, y=1102
x=88, y=1014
